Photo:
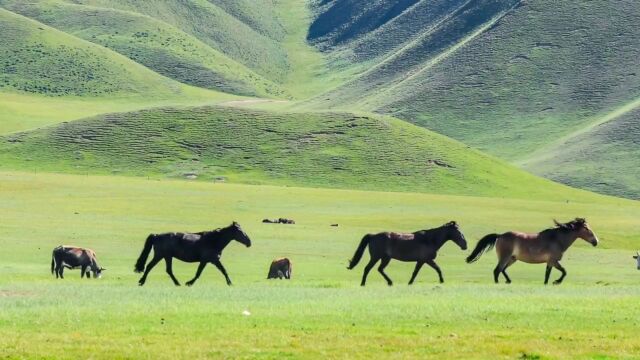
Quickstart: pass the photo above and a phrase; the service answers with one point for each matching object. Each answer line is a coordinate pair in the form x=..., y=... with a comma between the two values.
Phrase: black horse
x=420, y=247
x=203, y=247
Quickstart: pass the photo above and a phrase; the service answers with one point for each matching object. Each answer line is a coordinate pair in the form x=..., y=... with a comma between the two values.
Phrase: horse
x=547, y=246
x=72, y=257
x=420, y=247
x=203, y=247
x=280, y=268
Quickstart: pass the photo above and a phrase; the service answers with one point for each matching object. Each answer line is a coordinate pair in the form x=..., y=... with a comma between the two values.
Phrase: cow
x=73, y=257
x=637, y=257
x=280, y=268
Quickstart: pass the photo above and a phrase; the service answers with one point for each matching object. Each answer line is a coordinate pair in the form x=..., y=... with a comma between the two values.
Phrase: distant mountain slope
x=508, y=77
x=603, y=158
x=254, y=43
x=153, y=43
x=35, y=58
x=311, y=149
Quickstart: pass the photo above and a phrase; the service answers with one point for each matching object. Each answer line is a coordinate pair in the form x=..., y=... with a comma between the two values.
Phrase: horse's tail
x=359, y=251
x=144, y=254
x=486, y=243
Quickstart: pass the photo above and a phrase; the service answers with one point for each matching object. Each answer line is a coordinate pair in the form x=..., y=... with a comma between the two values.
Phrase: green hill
x=254, y=44
x=507, y=77
x=35, y=58
x=319, y=149
x=602, y=158
x=152, y=43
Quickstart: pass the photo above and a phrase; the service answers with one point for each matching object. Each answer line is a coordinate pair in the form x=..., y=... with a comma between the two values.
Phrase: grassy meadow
x=322, y=312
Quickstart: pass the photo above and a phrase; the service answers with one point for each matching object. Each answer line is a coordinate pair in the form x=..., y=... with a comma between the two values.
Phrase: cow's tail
x=53, y=261
x=148, y=244
x=359, y=251
x=486, y=243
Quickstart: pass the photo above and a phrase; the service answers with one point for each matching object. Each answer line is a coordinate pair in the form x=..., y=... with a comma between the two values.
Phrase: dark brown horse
x=547, y=246
x=420, y=247
x=203, y=247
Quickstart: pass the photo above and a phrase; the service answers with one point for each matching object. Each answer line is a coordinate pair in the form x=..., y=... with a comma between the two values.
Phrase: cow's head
x=637, y=257
x=97, y=272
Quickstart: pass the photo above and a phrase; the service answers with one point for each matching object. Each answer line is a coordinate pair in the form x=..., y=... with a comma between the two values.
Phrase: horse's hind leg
x=562, y=270
x=169, y=260
x=504, y=270
x=415, y=271
x=150, y=266
x=383, y=264
x=368, y=268
x=437, y=269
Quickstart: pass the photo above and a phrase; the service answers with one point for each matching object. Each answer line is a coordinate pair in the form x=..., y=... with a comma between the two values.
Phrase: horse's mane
x=427, y=234
x=572, y=225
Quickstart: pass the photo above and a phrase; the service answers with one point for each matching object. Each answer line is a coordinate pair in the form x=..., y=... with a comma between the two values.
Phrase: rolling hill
x=507, y=77
x=339, y=150
x=532, y=82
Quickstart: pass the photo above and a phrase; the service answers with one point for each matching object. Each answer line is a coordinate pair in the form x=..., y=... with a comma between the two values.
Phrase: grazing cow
x=637, y=257
x=73, y=257
x=280, y=268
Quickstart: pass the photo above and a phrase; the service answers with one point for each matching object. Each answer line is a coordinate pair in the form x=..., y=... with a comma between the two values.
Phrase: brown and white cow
x=73, y=257
x=280, y=268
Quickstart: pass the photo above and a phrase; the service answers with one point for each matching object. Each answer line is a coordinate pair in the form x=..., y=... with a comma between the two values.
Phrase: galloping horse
x=203, y=247
x=420, y=247
x=548, y=246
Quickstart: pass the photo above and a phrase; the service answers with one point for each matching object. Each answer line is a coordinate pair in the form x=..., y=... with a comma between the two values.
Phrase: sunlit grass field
x=321, y=312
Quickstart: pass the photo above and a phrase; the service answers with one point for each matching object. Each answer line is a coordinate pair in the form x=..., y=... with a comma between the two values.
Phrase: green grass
x=322, y=312
x=338, y=150
x=21, y=112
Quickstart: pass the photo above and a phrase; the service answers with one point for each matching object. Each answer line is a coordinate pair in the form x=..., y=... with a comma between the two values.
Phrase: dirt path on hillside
x=249, y=102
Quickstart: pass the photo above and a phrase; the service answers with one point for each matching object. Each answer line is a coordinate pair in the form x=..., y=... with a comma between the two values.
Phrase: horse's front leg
x=415, y=271
x=218, y=264
x=546, y=274
x=562, y=270
x=198, y=273
x=437, y=269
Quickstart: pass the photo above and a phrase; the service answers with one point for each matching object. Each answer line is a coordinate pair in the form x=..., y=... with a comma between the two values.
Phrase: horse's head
x=454, y=233
x=240, y=235
x=637, y=257
x=582, y=229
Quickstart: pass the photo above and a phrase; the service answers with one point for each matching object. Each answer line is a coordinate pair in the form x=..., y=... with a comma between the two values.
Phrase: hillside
x=339, y=150
x=507, y=77
x=150, y=42
x=603, y=158
x=35, y=58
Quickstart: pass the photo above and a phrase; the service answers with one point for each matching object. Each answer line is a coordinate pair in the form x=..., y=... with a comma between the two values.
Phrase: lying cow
x=279, y=221
x=637, y=257
x=72, y=257
x=280, y=268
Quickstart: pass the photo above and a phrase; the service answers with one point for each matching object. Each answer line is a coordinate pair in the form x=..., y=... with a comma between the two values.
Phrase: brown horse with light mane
x=547, y=246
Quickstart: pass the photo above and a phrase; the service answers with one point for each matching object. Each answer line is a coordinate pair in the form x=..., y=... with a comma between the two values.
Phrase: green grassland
x=322, y=312
x=253, y=146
